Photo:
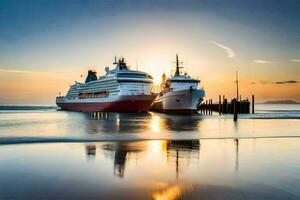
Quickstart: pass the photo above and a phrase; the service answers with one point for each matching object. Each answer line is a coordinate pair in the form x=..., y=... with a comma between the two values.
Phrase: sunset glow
x=36, y=65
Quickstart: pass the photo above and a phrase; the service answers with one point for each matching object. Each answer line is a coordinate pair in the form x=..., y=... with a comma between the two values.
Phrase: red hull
x=118, y=106
x=176, y=111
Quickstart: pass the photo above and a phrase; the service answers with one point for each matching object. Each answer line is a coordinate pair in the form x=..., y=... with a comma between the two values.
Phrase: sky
x=46, y=45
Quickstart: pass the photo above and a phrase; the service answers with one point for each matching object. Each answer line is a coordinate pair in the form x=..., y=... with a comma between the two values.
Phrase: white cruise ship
x=179, y=94
x=119, y=90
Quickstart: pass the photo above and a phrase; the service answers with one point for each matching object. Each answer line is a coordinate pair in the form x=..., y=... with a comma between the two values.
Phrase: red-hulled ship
x=119, y=90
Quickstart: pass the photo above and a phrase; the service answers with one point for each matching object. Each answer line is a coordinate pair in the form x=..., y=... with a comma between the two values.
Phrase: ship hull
x=130, y=103
x=179, y=102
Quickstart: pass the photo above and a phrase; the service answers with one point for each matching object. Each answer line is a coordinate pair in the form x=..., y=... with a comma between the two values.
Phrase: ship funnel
x=92, y=76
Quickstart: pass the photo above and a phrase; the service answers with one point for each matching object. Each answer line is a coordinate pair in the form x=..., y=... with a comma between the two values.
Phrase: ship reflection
x=139, y=122
x=181, y=150
x=90, y=151
x=180, y=122
x=122, y=152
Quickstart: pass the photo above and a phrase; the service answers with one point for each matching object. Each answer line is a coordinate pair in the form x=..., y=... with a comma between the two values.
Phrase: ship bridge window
x=131, y=75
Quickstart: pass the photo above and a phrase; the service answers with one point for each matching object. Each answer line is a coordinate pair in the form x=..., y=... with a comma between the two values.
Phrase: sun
x=156, y=80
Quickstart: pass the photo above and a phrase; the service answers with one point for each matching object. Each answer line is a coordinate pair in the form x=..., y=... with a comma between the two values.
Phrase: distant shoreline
x=282, y=102
x=16, y=107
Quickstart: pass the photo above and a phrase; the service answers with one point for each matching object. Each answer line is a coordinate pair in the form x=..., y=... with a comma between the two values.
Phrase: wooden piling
x=210, y=106
x=235, y=116
x=252, y=104
x=219, y=104
x=225, y=106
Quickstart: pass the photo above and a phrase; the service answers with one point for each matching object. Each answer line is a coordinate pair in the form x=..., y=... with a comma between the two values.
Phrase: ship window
x=134, y=81
x=130, y=75
x=184, y=81
x=93, y=95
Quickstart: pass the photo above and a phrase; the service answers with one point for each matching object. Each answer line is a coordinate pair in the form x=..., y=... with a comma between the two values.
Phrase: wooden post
x=219, y=104
x=235, y=116
x=206, y=105
x=210, y=107
x=225, y=106
x=252, y=104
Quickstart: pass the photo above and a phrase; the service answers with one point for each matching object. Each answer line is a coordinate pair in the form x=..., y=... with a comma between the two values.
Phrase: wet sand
x=159, y=169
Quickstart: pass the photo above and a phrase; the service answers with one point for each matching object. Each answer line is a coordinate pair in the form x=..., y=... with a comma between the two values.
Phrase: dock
x=223, y=106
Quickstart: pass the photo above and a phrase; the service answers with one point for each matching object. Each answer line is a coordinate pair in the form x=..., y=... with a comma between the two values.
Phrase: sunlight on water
x=155, y=123
x=56, y=125
x=170, y=193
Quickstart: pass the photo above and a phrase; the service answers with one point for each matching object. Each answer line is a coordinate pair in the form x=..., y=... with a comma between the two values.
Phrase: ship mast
x=177, y=66
x=237, y=85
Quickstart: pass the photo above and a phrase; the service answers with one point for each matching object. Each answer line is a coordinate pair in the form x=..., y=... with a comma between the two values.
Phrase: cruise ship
x=119, y=90
x=179, y=94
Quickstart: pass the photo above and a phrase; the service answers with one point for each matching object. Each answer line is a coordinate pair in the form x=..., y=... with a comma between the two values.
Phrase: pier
x=223, y=106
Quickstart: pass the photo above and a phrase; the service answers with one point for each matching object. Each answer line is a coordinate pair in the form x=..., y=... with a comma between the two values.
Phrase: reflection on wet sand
x=121, y=151
x=153, y=169
x=237, y=155
x=176, y=153
x=90, y=150
x=181, y=150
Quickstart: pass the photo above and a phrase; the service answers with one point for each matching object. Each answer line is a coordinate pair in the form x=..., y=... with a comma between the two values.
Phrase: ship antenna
x=115, y=60
x=237, y=85
x=137, y=66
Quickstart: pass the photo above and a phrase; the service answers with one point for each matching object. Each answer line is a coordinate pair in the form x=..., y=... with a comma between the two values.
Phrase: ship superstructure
x=179, y=94
x=119, y=90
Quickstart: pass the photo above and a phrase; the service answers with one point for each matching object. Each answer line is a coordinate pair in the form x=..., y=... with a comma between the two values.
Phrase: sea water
x=47, y=153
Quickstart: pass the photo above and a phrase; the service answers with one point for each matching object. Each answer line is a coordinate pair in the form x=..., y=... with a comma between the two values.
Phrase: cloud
x=262, y=82
x=262, y=61
x=265, y=82
x=286, y=82
x=229, y=51
x=295, y=60
x=16, y=71
x=276, y=82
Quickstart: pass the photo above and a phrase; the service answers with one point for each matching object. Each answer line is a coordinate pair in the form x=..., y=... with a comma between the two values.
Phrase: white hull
x=181, y=101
